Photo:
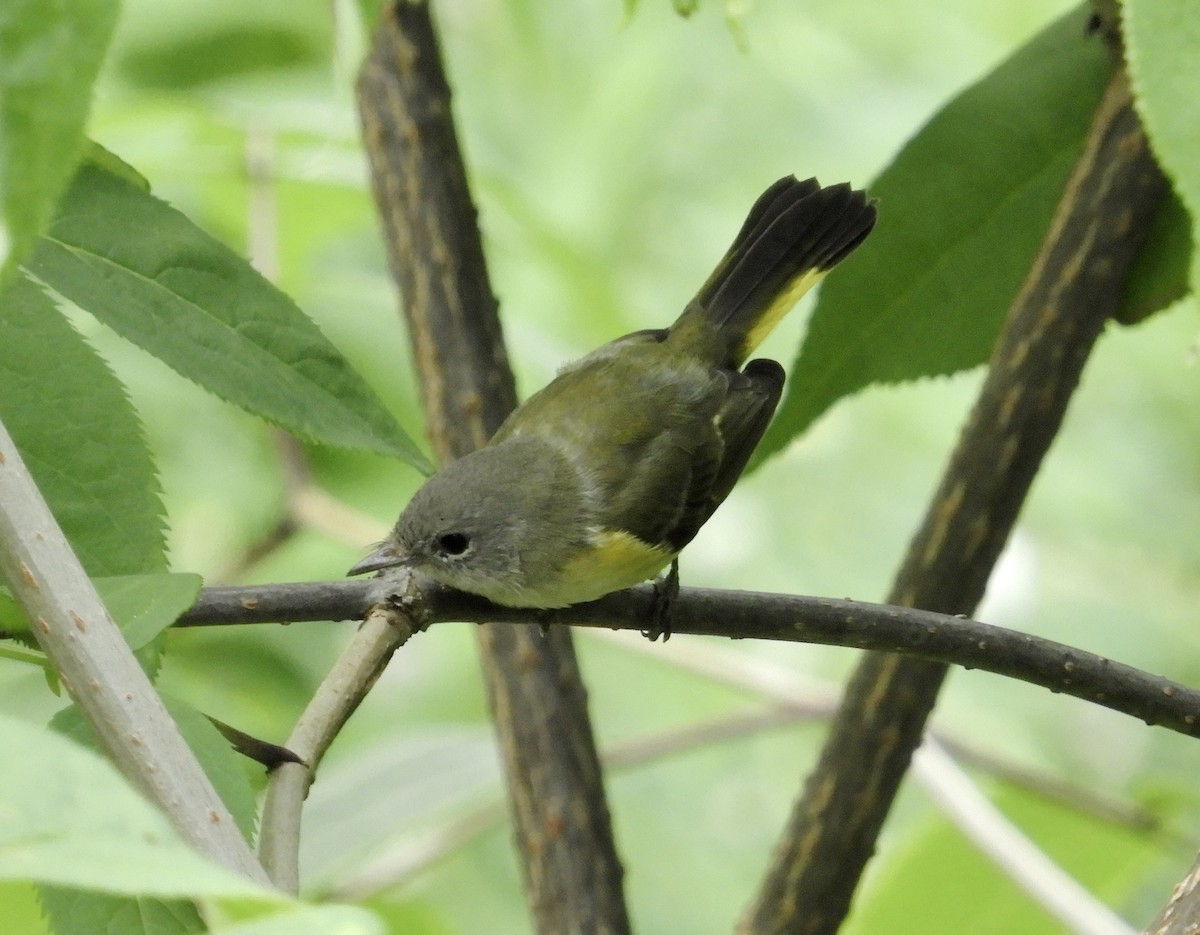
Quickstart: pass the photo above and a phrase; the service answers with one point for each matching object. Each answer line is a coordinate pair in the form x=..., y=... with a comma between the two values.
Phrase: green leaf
x=309, y=920
x=1110, y=861
x=217, y=758
x=218, y=50
x=1162, y=46
x=68, y=818
x=71, y=910
x=22, y=914
x=145, y=605
x=110, y=162
x=963, y=210
x=12, y=618
x=79, y=436
x=1159, y=275
x=369, y=12
x=142, y=605
x=49, y=56
x=411, y=918
x=155, y=278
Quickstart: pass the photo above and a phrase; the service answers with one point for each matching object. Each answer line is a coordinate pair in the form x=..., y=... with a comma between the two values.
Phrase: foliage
x=610, y=165
x=927, y=296
x=49, y=57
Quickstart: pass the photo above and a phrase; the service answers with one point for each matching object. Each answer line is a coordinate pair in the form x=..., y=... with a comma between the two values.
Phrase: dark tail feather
x=795, y=232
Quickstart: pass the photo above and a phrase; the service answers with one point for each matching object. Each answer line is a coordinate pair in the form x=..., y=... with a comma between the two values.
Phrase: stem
x=337, y=697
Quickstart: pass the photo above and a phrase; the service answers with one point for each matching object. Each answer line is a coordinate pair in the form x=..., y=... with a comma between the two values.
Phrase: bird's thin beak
x=386, y=556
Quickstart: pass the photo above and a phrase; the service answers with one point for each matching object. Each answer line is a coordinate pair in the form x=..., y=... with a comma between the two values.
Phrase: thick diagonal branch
x=538, y=703
x=100, y=673
x=1072, y=289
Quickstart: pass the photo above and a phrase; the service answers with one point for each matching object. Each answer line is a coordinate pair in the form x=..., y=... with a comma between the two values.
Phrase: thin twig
x=768, y=680
x=337, y=697
x=415, y=854
x=319, y=511
x=262, y=242
x=402, y=861
x=1000, y=841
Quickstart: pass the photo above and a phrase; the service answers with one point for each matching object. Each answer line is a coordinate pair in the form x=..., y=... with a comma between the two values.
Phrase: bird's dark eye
x=454, y=543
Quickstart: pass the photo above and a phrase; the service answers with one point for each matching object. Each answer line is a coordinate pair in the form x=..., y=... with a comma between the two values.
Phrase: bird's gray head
x=464, y=523
x=489, y=522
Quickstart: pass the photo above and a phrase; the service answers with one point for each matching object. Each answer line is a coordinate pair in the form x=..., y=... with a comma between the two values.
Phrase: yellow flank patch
x=614, y=560
x=783, y=303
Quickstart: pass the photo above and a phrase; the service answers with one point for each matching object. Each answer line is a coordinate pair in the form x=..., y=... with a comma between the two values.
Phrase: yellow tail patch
x=782, y=304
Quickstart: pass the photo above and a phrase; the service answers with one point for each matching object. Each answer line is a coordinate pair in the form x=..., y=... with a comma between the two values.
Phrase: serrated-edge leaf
x=49, y=57
x=110, y=162
x=79, y=435
x=146, y=271
x=12, y=617
x=1162, y=46
x=960, y=221
x=144, y=606
x=22, y=913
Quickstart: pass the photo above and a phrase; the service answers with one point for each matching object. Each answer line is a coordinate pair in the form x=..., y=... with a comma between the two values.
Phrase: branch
x=101, y=674
x=385, y=630
x=1072, y=289
x=1178, y=916
x=539, y=708
x=921, y=634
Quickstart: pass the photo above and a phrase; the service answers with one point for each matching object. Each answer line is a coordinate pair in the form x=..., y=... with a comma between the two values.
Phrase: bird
x=600, y=479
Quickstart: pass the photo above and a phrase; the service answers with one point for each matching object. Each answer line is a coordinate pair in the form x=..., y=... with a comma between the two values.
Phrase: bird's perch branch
x=917, y=634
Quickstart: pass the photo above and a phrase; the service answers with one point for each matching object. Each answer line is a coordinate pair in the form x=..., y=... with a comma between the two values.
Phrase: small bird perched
x=601, y=478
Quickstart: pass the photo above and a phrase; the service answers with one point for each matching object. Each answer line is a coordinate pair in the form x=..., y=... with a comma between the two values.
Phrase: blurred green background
x=612, y=158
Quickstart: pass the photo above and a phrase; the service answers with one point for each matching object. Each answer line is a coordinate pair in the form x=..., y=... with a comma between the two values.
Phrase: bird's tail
x=795, y=233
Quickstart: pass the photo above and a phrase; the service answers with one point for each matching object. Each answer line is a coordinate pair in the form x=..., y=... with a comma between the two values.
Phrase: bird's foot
x=666, y=589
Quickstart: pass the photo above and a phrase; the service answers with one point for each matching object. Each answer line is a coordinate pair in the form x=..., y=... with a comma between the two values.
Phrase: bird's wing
x=639, y=429
x=746, y=410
